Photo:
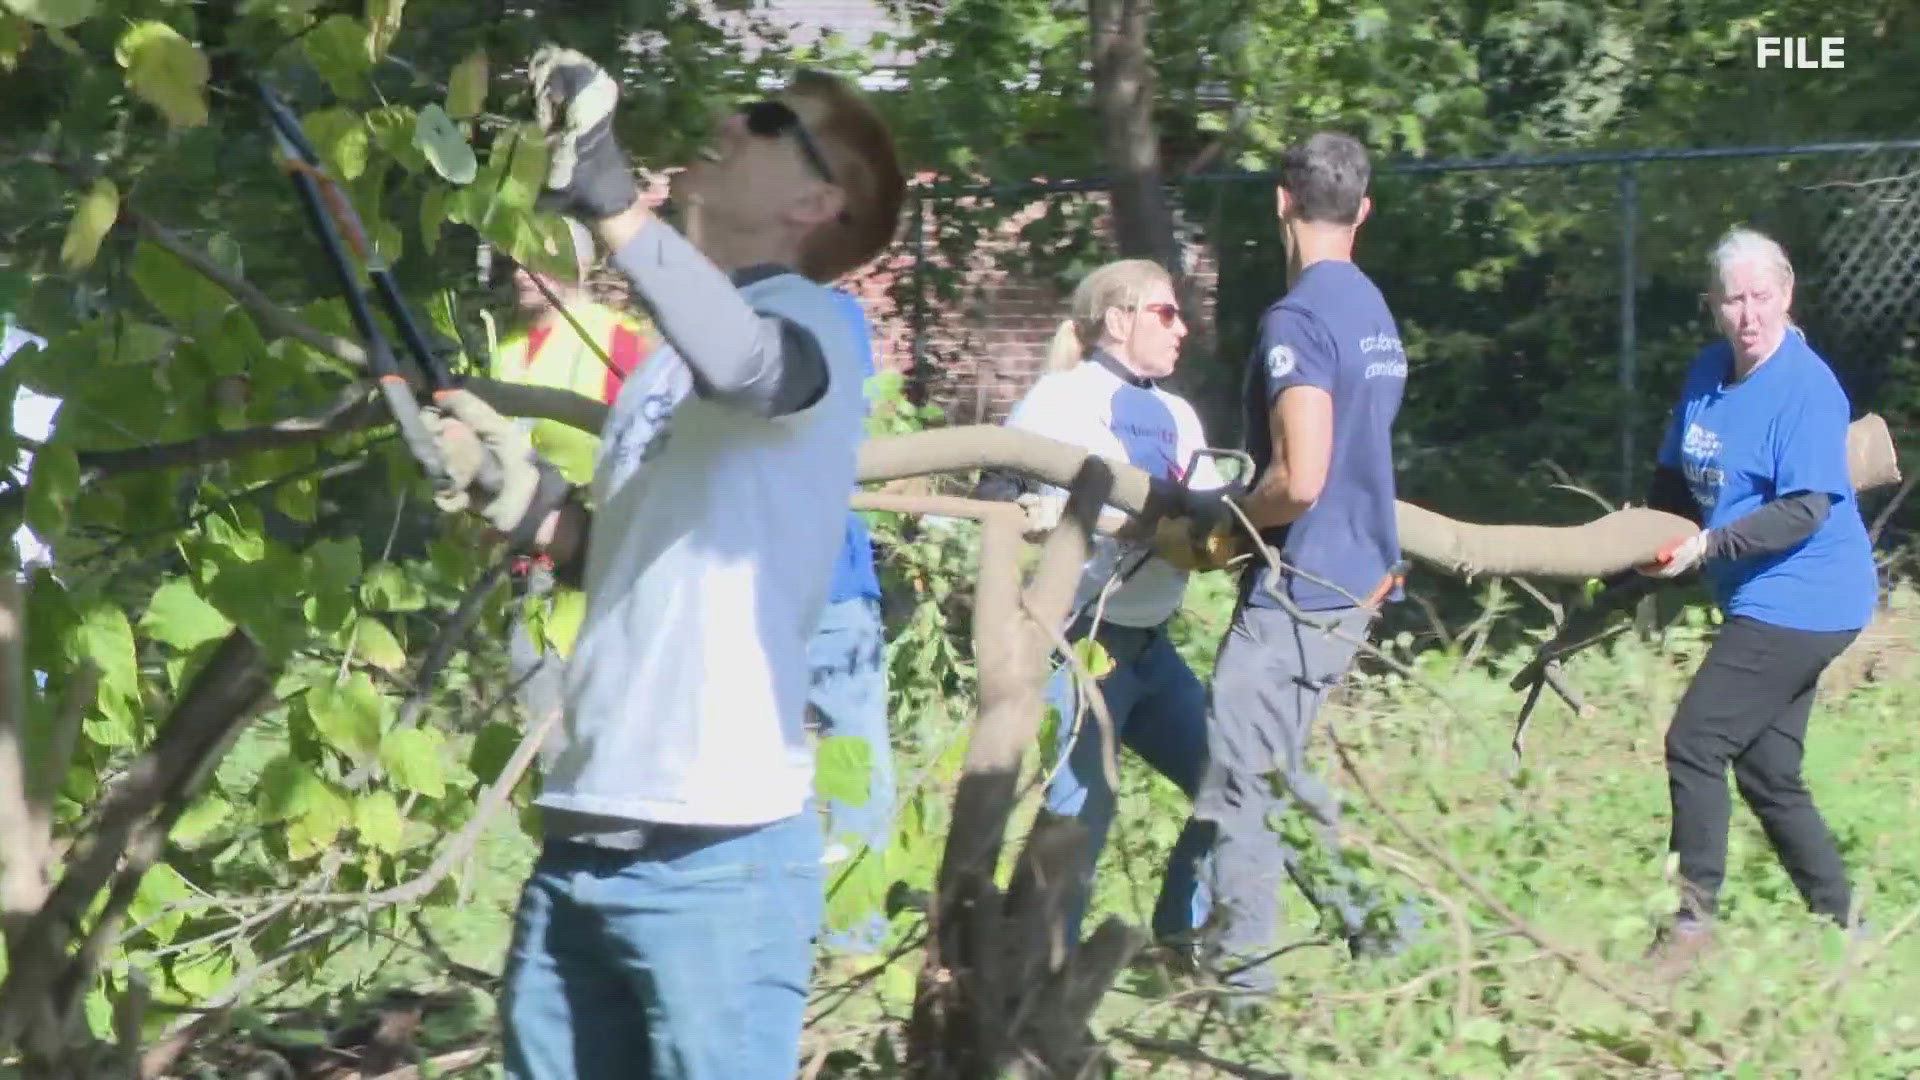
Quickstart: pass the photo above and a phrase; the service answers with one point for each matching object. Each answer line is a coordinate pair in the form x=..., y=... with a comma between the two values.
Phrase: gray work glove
x=486, y=454
x=588, y=175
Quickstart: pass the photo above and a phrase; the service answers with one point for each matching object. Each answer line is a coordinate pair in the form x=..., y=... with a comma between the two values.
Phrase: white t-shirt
x=33, y=417
x=708, y=565
x=1098, y=405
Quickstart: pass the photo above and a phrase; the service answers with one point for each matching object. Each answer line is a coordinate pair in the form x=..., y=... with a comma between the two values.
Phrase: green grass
x=1575, y=846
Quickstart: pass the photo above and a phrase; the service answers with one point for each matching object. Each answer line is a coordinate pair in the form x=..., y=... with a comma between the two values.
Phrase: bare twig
x=442, y=1064
x=1187, y=1051
x=1886, y=512
x=1088, y=688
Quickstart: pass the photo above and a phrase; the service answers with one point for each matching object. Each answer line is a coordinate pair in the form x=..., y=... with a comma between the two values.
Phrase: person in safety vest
x=544, y=349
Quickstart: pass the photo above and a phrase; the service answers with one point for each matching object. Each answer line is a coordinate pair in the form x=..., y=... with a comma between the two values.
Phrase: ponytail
x=1065, y=350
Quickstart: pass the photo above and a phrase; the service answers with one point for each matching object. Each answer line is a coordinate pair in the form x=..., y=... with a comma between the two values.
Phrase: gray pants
x=1269, y=680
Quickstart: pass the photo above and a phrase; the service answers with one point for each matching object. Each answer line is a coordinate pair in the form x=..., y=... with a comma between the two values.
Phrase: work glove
x=588, y=175
x=1201, y=534
x=486, y=454
x=1042, y=513
x=1679, y=556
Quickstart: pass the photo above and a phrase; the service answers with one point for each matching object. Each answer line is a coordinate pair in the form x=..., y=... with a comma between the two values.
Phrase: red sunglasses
x=1167, y=312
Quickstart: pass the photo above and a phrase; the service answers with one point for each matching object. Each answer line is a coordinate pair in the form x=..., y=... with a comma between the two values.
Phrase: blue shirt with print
x=1333, y=330
x=853, y=575
x=1780, y=431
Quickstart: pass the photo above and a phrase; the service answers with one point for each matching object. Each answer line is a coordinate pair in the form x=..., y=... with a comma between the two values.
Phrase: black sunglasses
x=772, y=119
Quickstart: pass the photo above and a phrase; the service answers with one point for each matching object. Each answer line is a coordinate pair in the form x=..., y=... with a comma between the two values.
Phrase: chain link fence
x=1549, y=304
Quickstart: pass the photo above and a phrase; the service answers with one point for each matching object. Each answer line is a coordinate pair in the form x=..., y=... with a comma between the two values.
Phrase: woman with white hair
x=1101, y=392
x=1756, y=455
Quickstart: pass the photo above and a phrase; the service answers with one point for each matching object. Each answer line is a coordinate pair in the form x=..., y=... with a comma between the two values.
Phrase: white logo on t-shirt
x=1698, y=450
x=1280, y=361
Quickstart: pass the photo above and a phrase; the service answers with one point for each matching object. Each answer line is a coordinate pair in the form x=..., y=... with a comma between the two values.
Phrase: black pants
x=1749, y=705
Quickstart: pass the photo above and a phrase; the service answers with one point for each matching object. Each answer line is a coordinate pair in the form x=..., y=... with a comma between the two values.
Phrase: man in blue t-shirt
x=1323, y=386
x=1756, y=457
x=849, y=692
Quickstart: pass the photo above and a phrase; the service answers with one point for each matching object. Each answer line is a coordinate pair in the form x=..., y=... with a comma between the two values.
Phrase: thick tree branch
x=272, y=319
x=217, y=702
x=22, y=881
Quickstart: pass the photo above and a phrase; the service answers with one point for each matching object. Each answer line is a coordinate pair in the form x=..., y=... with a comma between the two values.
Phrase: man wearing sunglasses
x=1323, y=387
x=666, y=930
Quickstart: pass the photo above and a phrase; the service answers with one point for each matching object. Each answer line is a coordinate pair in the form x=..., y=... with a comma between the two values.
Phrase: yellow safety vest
x=564, y=361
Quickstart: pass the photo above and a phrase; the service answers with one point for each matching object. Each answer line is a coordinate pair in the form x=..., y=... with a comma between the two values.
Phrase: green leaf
x=433, y=217
x=383, y=22
x=166, y=71
x=375, y=644
x=1093, y=656
x=843, y=769
x=92, y=218
x=57, y=14
x=332, y=566
x=16, y=34
x=411, y=757
x=341, y=138
x=446, y=148
x=561, y=624
x=492, y=748
x=349, y=717
x=105, y=637
x=52, y=484
x=376, y=817
x=284, y=789
x=187, y=300
x=160, y=887
x=337, y=50
x=199, y=821
x=388, y=588
x=178, y=616
x=467, y=85
x=327, y=812
x=391, y=128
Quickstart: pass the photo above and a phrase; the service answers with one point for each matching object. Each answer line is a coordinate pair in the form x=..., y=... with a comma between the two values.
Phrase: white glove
x=1680, y=556
x=1042, y=512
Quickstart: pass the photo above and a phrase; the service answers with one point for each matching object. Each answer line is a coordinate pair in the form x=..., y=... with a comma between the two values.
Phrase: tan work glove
x=1215, y=549
x=1205, y=536
x=487, y=454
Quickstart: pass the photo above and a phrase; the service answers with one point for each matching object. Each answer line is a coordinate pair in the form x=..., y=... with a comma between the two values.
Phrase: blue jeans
x=1159, y=711
x=849, y=697
x=686, y=960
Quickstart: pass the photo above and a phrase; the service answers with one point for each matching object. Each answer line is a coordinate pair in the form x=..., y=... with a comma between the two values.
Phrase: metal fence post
x=1629, y=225
x=917, y=378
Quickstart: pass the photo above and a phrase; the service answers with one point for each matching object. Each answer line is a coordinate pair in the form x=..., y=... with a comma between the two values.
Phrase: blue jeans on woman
x=687, y=959
x=848, y=696
x=1159, y=712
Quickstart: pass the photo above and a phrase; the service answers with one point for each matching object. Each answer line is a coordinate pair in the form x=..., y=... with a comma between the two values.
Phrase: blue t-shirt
x=1333, y=330
x=853, y=575
x=1780, y=431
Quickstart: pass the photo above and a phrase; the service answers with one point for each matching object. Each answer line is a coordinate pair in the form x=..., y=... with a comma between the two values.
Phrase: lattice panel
x=1865, y=272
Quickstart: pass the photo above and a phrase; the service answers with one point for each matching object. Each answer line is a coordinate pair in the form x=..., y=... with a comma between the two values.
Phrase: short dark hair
x=1326, y=176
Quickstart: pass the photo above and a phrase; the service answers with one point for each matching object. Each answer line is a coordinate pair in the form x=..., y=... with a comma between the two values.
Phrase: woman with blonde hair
x=1100, y=391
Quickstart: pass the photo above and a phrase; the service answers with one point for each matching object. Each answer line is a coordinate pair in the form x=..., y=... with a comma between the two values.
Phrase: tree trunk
x=1123, y=86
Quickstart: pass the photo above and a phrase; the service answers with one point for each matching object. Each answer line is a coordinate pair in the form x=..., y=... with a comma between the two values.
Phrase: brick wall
x=986, y=347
